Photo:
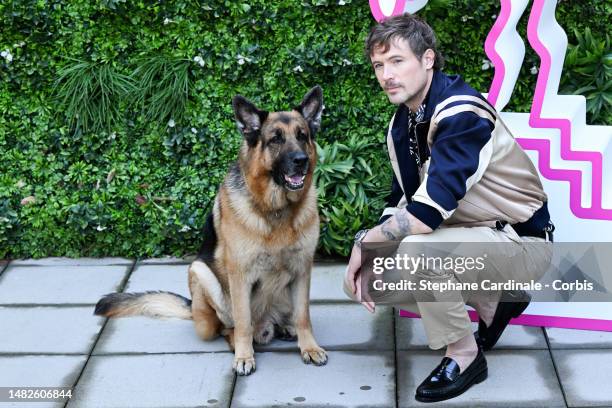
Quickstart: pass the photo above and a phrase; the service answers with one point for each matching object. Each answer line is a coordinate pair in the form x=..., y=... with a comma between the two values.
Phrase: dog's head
x=280, y=145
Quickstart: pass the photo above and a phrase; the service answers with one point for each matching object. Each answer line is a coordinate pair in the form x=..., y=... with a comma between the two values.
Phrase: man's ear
x=311, y=108
x=429, y=58
x=249, y=119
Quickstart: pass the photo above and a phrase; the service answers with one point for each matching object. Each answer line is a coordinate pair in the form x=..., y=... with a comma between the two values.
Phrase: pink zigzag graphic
x=596, y=211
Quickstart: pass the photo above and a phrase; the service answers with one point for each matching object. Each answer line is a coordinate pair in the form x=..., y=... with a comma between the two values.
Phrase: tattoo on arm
x=400, y=230
x=403, y=223
x=387, y=230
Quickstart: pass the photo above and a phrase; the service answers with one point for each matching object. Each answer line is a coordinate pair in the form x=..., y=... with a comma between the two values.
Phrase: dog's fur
x=251, y=279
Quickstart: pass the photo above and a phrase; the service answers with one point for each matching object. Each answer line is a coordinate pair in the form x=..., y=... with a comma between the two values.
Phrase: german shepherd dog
x=251, y=278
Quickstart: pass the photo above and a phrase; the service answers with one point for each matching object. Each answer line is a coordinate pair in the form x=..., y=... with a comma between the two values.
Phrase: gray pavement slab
x=58, y=330
x=411, y=335
x=39, y=371
x=172, y=278
x=21, y=285
x=151, y=381
x=346, y=327
x=517, y=378
x=146, y=335
x=585, y=376
x=326, y=283
x=63, y=261
x=350, y=379
x=578, y=339
x=167, y=260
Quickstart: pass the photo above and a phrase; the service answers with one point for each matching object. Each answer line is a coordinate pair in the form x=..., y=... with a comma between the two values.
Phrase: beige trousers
x=446, y=320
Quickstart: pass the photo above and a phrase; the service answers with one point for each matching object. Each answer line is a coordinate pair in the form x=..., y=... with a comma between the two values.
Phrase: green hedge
x=116, y=125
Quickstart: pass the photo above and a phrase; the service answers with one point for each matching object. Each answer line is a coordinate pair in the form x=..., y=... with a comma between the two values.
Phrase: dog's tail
x=157, y=304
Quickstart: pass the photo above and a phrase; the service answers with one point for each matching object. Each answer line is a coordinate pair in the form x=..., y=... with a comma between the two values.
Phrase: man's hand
x=353, y=277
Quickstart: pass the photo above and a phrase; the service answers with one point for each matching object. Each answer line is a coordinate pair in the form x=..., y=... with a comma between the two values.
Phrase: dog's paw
x=244, y=366
x=285, y=333
x=315, y=355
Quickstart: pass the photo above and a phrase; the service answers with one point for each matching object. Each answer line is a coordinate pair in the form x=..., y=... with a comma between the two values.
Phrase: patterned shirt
x=413, y=119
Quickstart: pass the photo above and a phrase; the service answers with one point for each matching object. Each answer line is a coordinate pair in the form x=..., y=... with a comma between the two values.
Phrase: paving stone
x=326, y=283
x=70, y=330
x=62, y=261
x=585, y=376
x=410, y=334
x=146, y=335
x=59, y=284
x=161, y=380
x=346, y=327
x=350, y=379
x=517, y=378
x=166, y=260
x=578, y=339
x=39, y=371
x=172, y=278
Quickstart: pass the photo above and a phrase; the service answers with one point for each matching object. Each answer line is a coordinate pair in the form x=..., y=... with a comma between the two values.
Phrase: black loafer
x=446, y=382
x=511, y=304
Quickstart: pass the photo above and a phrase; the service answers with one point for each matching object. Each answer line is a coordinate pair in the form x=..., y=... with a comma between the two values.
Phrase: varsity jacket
x=474, y=173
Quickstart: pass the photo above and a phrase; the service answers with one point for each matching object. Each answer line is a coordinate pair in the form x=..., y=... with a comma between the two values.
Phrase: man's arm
x=397, y=227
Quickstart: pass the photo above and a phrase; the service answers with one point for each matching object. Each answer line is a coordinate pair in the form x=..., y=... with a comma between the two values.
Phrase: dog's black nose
x=299, y=159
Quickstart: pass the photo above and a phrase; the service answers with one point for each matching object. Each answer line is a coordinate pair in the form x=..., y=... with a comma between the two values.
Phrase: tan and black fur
x=251, y=279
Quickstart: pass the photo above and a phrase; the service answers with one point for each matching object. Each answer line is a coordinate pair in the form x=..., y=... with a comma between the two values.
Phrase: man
x=459, y=176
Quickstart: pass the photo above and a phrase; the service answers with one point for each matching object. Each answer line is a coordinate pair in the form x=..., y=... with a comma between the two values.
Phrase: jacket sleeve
x=460, y=153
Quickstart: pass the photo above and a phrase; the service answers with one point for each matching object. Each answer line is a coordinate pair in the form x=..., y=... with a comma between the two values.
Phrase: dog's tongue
x=294, y=179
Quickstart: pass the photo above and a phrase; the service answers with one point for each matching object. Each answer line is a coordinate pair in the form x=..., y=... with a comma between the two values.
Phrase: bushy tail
x=157, y=304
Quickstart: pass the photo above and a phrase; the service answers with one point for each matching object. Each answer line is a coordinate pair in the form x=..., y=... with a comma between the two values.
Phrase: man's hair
x=419, y=35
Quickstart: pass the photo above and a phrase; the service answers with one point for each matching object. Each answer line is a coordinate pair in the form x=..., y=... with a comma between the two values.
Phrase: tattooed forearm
x=403, y=223
x=388, y=231
x=397, y=227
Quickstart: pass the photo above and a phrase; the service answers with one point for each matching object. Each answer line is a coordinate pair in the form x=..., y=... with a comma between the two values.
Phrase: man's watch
x=359, y=236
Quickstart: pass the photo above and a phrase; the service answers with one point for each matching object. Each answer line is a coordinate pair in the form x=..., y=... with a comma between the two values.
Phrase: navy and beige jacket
x=474, y=173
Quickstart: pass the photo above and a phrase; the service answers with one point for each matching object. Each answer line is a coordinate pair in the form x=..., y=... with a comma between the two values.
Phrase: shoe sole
x=477, y=380
x=514, y=315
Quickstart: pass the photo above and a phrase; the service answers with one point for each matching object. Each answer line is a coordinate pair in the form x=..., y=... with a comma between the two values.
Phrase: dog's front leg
x=240, y=294
x=300, y=292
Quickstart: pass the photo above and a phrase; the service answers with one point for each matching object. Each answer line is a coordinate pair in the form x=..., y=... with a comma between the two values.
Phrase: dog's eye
x=301, y=136
x=278, y=138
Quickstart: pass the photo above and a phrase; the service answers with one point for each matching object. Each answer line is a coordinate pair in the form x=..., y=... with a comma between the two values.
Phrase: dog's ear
x=249, y=119
x=311, y=108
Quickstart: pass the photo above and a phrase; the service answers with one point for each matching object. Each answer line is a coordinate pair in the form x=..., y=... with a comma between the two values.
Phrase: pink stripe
x=596, y=211
x=398, y=8
x=535, y=120
x=496, y=59
x=543, y=321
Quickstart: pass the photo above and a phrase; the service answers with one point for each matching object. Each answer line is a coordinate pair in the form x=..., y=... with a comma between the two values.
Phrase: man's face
x=403, y=76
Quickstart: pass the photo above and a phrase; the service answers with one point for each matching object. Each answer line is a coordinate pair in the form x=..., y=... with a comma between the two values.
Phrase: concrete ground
x=50, y=337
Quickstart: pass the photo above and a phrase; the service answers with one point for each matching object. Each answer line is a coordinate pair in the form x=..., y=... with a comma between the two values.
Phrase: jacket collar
x=437, y=86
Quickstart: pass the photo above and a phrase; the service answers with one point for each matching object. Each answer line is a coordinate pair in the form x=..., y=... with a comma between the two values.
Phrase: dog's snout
x=299, y=159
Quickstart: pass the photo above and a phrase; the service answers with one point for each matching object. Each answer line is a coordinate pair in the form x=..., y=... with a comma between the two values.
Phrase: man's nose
x=387, y=72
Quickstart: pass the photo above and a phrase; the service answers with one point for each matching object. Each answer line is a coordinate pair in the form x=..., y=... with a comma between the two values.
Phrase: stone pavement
x=49, y=337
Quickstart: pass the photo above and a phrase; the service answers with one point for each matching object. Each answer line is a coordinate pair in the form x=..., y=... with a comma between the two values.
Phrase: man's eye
x=397, y=61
